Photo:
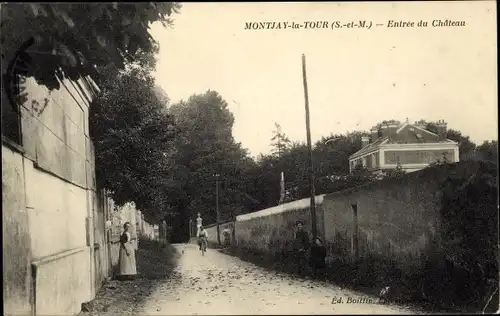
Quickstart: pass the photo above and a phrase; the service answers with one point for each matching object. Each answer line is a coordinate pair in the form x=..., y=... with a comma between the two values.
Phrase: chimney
x=365, y=141
x=441, y=127
x=421, y=123
x=389, y=129
x=374, y=133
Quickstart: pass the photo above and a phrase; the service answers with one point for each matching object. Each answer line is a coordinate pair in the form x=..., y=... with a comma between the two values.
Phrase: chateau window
x=393, y=157
x=420, y=137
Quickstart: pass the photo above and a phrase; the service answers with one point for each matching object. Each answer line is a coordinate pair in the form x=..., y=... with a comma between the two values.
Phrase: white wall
x=58, y=181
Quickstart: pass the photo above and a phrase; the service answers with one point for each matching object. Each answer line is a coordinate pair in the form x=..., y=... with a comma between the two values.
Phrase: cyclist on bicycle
x=202, y=237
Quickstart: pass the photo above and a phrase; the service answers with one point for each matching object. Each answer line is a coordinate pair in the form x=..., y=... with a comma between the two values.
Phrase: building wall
x=411, y=159
x=371, y=161
x=417, y=156
x=15, y=233
x=56, y=180
x=102, y=261
x=57, y=251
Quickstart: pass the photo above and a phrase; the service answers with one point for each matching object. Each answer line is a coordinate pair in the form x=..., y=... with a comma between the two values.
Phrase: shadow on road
x=155, y=263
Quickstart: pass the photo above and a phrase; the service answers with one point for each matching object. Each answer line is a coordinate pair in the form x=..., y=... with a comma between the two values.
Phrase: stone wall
x=272, y=230
x=212, y=233
x=393, y=219
x=140, y=228
x=396, y=219
x=402, y=231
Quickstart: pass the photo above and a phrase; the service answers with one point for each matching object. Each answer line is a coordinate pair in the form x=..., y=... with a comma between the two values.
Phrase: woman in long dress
x=127, y=255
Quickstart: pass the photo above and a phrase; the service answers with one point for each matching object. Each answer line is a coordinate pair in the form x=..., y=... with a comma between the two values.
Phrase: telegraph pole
x=190, y=229
x=217, y=205
x=309, y=148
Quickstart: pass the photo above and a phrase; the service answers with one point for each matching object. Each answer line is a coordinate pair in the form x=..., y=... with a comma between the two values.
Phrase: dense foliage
x=205, y=147
x=469, y=233
x=131, y=130
x=79, y=39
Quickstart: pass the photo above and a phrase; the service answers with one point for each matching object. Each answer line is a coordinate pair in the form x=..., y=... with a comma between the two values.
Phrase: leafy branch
x=82, y=39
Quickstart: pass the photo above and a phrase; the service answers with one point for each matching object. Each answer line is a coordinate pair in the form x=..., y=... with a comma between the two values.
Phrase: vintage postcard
x=295, y=158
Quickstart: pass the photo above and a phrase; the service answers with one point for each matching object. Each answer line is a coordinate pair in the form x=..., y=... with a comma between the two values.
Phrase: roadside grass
x=342, y=275
x=155, y=262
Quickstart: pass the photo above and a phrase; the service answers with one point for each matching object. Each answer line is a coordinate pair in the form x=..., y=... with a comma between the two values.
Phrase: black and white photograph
x=249, y=158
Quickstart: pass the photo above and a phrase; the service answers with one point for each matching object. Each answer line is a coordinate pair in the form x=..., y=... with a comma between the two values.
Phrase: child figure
x=318, y=256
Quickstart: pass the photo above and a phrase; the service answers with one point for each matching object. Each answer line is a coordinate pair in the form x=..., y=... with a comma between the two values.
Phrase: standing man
x=302, y=245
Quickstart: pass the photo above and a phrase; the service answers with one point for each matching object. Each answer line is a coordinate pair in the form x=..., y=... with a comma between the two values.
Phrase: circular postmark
x=15, y=76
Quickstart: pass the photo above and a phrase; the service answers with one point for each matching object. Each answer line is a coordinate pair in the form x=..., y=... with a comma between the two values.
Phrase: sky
x=356, y=77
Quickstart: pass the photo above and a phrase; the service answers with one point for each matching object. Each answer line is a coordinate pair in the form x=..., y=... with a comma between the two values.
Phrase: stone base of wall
x=62, y=282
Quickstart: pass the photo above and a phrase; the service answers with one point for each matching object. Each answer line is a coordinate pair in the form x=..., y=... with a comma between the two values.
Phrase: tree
x=204, y=147
x=331, y=169
x=79, y=39
x=488, y=150
x=295, y=163
x=394, y=173
x=162, y=95
x=332, y=158
x=466, y=147
x=264, y=181
x=280, y=141
x=469, y=221
x=132, y=133
x=359, y=176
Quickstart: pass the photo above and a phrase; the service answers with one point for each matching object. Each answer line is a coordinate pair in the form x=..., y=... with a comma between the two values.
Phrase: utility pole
x=217, y=205
x=190, y=228
x=309, y=148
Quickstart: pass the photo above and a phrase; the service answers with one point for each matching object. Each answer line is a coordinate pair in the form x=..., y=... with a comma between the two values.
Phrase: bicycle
x=203, y=246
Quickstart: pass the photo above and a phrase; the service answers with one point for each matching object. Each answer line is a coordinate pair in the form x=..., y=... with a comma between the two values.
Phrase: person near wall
x=227, y=237
x=302, y=246
x=127, y=262
x=317, y=259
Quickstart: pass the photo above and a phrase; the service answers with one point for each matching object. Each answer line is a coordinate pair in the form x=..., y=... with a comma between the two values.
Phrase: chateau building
x=411, y=146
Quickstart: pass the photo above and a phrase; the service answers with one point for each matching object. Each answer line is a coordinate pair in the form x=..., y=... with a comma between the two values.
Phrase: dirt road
x=221, y=284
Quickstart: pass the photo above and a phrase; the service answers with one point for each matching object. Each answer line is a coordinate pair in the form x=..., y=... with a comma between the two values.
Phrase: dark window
x=394, y=157
x=11, y=113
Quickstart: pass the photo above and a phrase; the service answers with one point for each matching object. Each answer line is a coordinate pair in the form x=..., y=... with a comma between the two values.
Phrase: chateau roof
x=404, y=134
